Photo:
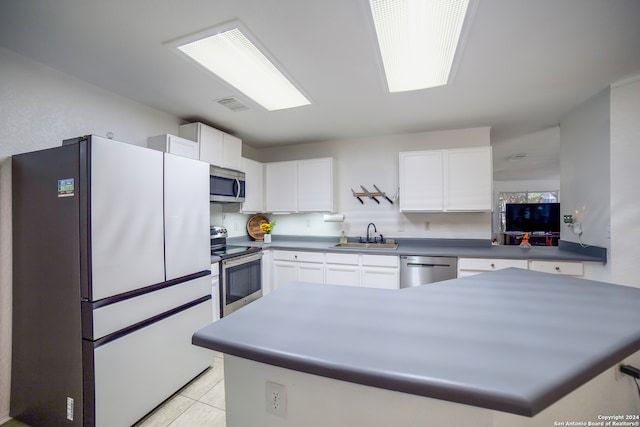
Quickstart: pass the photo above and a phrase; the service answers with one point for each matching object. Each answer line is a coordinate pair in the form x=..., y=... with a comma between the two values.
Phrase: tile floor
x=200, y=403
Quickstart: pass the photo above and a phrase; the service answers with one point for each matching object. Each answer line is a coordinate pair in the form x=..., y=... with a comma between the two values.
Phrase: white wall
x=374, y=160
x=585, y=169
x=625, y=180
x=39, y=108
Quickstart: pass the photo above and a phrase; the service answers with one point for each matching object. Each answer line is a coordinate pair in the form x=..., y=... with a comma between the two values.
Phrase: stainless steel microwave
x=226, y=185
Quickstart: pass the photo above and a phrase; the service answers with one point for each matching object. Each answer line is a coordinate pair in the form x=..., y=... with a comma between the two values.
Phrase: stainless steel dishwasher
x=420, y=270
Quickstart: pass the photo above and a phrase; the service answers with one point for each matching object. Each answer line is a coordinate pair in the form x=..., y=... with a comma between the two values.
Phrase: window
x=523, y=197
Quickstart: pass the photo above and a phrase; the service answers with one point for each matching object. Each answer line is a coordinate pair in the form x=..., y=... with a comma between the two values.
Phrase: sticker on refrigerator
x=66, y=187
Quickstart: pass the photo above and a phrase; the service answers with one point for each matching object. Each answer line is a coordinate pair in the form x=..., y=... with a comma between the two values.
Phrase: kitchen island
x=511, y=347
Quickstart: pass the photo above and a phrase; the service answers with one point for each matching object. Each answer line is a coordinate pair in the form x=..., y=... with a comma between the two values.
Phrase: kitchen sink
x=355, y=245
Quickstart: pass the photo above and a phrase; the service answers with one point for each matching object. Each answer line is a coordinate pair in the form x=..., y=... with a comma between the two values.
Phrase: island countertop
x=511, y=340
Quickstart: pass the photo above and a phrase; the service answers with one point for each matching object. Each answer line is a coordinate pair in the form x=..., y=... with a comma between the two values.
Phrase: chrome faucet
x=374, y=230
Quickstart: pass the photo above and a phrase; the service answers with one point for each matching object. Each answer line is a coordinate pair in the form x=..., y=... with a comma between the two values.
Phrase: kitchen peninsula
x=511, y=347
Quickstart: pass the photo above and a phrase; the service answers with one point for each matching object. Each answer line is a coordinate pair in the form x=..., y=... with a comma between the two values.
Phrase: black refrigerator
x=111, y=277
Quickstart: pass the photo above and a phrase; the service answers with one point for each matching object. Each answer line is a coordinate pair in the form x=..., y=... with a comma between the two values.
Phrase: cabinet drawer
x=380, y=260
x=351, y=259
x=310, y=257
x=299, y=256
x=284, y=255
x=488, y=264
x=567, y=268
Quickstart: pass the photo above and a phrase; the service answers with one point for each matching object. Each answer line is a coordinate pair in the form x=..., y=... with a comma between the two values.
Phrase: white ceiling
x=525, y=64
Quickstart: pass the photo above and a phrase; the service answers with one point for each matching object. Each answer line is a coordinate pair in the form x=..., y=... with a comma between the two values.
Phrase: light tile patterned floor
x=201, y=403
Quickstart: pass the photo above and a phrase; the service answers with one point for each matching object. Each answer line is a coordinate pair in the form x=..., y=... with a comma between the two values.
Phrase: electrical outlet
x=235, y=226
x=276, y=399
x=427, y=225
x=401, y=226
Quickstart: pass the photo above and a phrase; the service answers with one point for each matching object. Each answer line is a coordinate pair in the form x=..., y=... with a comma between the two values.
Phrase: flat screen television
x=533, y=217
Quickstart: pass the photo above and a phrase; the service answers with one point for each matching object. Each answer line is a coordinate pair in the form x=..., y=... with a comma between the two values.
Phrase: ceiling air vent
x=232, y=104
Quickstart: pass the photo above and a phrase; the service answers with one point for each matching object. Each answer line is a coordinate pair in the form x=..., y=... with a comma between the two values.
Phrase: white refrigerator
x=111, y=267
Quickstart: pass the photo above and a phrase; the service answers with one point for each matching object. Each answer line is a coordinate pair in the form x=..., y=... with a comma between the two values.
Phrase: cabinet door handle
x=493, y=266
x=557, y=268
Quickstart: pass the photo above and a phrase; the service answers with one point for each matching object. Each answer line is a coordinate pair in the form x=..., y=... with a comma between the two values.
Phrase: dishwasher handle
x=421, y=265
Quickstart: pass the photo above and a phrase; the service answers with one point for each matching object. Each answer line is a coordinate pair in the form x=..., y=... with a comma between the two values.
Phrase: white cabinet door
x=175, y=145
x=210, y=140
x=342, y=274
x=315, y=185
x=254, y=187
x=380, y=277
x=421, y=181
x=380, y=271
x=310, y=272
x=281, y=186
x=186, y=211
x=283, y=272
x=468, y=179
x=216, y=147
x=231, y=152
x=127, y=225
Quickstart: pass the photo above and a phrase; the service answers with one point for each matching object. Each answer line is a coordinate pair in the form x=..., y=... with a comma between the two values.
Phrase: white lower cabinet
x=349, y=269
x=567, y=268
x=342, y=269
x=283, y=273
x=471, y=266
x=290, y=266
x=380, y=277
x=342, y=274
x=380, y=271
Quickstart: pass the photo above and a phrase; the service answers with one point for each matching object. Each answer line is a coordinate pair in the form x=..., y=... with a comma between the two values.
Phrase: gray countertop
x=512, y=340
x=441, y=247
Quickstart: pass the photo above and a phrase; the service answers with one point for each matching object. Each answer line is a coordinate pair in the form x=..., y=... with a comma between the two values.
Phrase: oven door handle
x=242, y=259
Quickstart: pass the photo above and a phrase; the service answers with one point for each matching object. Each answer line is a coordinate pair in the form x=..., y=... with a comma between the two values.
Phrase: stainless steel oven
x=240, y=281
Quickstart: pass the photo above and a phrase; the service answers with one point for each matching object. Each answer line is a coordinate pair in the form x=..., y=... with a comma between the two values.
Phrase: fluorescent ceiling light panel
x=418, y=40
x=232, y=57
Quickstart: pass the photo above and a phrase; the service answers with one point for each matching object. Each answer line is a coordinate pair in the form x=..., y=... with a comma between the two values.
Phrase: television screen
x=532, y=217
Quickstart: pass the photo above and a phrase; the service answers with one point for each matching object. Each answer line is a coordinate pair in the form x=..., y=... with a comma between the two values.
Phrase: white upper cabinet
x=299, y=186
x=446, y=180
x=216, y=147
x=281, y=186
x=231, y=152
x=468, y=180
x=421, y=181
x=254, y=190
x=315, y=185
x=175, y=145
